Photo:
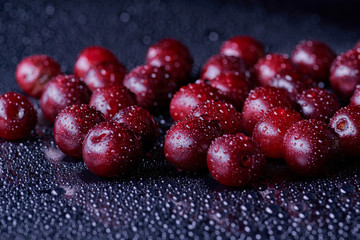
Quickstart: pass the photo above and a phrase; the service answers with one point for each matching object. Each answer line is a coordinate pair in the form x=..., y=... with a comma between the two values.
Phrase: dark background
x=46, y=195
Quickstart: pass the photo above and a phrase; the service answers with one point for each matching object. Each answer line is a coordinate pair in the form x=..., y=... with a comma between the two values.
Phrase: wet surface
x=46, y=195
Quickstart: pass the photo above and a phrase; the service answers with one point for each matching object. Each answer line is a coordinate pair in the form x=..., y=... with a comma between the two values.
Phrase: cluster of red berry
x=279, y=102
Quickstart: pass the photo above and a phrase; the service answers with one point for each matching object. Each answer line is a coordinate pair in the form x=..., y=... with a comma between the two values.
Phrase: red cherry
x=110, y=149
x=310, y=147
x=90, y=57
x=152, y=86
x=266, y=68
x=235, y=160
x=17, y=116
x=346, y=123
x=71, y=126
x=229, y=118
x=357, y=45
x=61, y=92
x=355, y=99
x=33, y=72
x=344, y=73
x=187, y=142
x=245, y=47
x=189, y=96
x=220, y=63
x=259, y=102
x=314, y=59
x=270, y=130
x=318, y=103
x=141, y=122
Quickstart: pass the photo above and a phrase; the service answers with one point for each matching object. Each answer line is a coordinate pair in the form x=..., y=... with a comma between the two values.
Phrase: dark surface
x=44, y=195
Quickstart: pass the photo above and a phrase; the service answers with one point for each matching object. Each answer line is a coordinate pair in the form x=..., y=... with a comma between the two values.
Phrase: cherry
x=71, y=126
x=346, y=123
x=173, y=56
x=141, y=122
x=219, y=63
x=355, y=99
x=187, y=142
x=234, y=86
x=245, y=47
x=60, y=92
x=189, y=96
x=344, y=73
x=235, y=160
x=266, y=68
x=261, y=100
x=227, y=115
x=104, y=74
x=310, y=147
x=111, y=99
x=357, y=45
x=33, y=72
x=152, y=86
x=313, y=58
x=17, y=116
x=90, y=57
x=270, y=130
x=318, y=103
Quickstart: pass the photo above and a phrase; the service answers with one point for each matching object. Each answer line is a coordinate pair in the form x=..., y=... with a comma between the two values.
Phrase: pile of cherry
x=246, y=107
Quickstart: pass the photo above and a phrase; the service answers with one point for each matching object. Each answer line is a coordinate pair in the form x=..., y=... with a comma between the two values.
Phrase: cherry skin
x=17, y=116
x=266, y=68
x=245, y=47
x=152, y=86
x=111, y=99
x=90, y=57
x=318, y=103
x=61, y=92
x=344, y=73
x=310, y=147
x=235, y=160
x=187, y=142
x=355, y=99
x=313, y=58
x=346, y=123
x=141, y=122
x=110, y=149
x=71, y=126
x=189, y=96
x=33, y=72
x=259, y=102
x=270, y=130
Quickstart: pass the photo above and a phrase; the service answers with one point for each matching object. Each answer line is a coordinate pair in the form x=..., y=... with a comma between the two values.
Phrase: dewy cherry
x=355, y=99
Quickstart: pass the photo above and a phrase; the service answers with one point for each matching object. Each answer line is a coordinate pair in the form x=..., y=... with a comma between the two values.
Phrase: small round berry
x=17, y=116
x=355, y=99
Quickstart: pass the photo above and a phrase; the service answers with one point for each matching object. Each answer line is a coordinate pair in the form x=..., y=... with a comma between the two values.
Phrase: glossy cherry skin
x=90, y=57
x=152, y=86
x=313, y=58
x=259, y=102
x=344, y=73
x=318, y=103
x=71, y=126
x=311, y=147
x=110, y=149
x=189, y=96
x=111, y=99
x=141, y=122
x=33, y=72
x=220, y=63
x=187, y=142
x=105, y=74
x=227, y=115
x=234, y=86
x=174, y=56
x=61, y=92
x=270, y=130
x=17, y=116
x=346, y=123
x=266, y=68
x=355, y=99
x=235, y=160
x=245, y=47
